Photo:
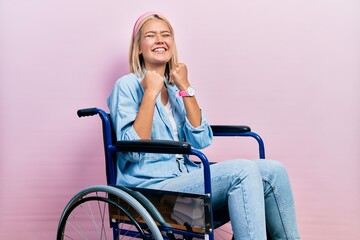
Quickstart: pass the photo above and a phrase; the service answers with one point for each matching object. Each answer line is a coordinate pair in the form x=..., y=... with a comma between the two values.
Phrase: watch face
x=191, y=91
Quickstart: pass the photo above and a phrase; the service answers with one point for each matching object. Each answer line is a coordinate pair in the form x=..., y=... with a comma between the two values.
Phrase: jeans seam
x=278, y=204
x=246, y=210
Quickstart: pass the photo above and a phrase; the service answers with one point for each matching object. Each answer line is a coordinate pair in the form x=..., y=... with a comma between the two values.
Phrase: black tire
x=87, y=216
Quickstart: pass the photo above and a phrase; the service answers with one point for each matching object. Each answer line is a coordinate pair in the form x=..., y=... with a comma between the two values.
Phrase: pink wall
x=290, y=69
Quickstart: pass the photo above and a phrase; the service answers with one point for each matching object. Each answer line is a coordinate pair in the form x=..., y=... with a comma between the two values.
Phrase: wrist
x=151, y=94
x=183, y=87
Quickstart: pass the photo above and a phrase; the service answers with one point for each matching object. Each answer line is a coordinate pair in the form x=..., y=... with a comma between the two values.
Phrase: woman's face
x=156, y=43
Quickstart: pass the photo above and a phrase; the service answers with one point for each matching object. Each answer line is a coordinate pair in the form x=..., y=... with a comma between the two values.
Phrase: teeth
x=159, y=50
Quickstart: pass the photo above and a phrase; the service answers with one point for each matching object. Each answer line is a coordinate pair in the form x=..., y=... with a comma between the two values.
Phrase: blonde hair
x=136, y=61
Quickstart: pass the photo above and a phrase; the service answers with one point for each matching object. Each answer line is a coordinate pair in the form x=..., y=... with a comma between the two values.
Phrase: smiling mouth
x=159, y=50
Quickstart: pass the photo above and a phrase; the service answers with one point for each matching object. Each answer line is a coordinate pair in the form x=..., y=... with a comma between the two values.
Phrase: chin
x=162, y=61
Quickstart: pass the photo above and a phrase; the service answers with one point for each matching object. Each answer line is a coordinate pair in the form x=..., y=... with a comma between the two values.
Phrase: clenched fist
x=152, y=82
x=179, y=76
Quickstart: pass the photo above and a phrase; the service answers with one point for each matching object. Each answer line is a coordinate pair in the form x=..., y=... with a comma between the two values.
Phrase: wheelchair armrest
x=154, y=146
x=239, y=130
x=87, y=112
x=229, y=130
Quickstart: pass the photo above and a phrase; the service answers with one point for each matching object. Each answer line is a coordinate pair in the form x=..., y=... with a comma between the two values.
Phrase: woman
x=156, y=101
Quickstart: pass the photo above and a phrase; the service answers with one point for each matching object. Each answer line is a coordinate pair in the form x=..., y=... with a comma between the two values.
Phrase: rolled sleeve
x=199, y=137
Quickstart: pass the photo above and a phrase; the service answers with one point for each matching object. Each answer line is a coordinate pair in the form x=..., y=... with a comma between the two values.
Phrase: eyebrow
x=163, y=31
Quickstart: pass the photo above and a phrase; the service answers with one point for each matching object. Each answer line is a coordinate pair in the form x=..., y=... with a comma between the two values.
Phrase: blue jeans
x=257, y=192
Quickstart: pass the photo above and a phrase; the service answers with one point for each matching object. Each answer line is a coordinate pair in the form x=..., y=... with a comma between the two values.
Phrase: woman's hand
x=152, y=83
x=179, y=76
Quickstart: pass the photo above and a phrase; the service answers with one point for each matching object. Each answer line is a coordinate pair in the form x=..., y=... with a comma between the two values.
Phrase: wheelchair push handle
x=87, y=112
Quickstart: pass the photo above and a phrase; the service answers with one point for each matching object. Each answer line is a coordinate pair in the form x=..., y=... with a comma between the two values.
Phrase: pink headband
x=140, y=19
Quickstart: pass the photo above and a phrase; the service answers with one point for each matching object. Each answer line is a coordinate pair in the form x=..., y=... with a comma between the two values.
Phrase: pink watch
x=188, y=93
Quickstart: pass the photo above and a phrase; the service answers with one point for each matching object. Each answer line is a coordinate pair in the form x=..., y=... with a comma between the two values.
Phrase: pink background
x=289, y=69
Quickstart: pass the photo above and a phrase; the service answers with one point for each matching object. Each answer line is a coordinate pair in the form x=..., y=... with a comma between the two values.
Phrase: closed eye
x=150, y=35
x=166, y=35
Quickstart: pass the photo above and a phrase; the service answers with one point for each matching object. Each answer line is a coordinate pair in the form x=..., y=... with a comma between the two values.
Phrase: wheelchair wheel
x=105, y=212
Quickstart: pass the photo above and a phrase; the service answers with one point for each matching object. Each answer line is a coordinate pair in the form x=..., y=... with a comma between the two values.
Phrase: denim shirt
x=145, y=169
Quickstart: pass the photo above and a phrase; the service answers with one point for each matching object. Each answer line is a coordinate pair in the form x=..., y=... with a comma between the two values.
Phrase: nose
x=159, y=38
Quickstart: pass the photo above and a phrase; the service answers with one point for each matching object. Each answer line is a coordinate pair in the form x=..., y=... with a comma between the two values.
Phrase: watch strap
x=182, y=94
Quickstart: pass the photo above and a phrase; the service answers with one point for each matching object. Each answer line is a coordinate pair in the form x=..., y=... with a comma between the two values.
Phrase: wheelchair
x=118, y=212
